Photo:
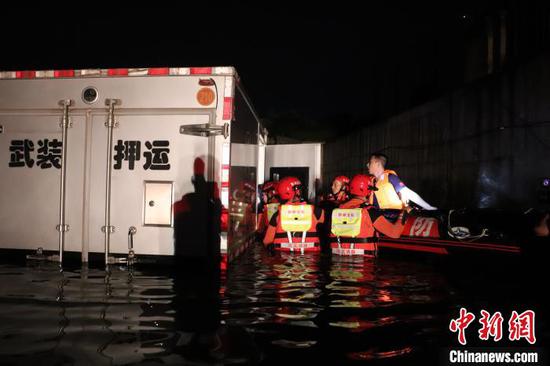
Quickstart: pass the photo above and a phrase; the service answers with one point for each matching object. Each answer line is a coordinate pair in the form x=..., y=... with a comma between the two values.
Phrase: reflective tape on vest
x=346, y=222
x=296, y=217
x=346, y=251
x=364, y=246
x=297, y=245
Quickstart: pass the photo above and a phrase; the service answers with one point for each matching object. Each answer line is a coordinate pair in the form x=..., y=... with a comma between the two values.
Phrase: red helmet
x=288, y=187
x=343, y=180
x=361, y=185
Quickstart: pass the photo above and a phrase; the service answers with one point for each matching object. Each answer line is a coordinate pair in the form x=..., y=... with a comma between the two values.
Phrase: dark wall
x=485, y=145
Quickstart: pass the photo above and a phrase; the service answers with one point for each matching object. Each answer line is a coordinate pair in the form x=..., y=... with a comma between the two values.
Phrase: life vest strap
x=334, y=240
x=297, y=234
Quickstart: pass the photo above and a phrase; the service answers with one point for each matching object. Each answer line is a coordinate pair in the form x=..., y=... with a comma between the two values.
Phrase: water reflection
x=268, y=309
x=197, y=309
x=340, y=309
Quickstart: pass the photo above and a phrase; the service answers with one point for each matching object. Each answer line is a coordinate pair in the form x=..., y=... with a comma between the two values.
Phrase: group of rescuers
x=349, y=219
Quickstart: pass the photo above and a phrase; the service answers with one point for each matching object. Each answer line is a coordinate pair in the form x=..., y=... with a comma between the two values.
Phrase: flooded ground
x=267, y=309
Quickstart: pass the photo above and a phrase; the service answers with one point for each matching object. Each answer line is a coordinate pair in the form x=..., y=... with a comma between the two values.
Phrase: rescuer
x=339, y=191
x=391, y=192
x=269, y=205
x=295, y=226
x=339, y=194
x=355, y=223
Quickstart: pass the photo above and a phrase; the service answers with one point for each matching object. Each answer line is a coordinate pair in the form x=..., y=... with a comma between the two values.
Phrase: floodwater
x=267, y=309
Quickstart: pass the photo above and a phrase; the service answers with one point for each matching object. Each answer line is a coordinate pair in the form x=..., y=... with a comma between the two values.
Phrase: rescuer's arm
x=269, y=236
x=409, y=195
x=406, y=194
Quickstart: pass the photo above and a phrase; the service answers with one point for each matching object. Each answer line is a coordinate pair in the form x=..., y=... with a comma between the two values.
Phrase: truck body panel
x=163, y=125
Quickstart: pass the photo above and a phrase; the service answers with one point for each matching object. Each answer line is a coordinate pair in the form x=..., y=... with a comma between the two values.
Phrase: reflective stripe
x=63, y=73
x=227, y=114
x=180, y=71
x=44, y=74
x=159, y=71
x=25, y=74
x=297, y=245
x=117, y=72
x=201, y=71
x=345, y=251
x=301, y=247
x=153, y=71
x=364, y=246
x=8, y=74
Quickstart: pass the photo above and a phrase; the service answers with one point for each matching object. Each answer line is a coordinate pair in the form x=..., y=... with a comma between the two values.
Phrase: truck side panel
x=30, y=159
x=138, y=141
x=146, y=140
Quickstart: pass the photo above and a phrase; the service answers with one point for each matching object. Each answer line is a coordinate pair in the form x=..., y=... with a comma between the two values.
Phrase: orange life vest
x=364, y=243
x=306, y=237
x=269, y=210
x=386, y=196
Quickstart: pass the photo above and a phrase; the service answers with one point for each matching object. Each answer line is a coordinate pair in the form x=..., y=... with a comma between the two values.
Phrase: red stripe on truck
x=200, y=71
x=63, y=73
x=25, y=74
x=158, y=71
x=227, y=108
x=117, y=72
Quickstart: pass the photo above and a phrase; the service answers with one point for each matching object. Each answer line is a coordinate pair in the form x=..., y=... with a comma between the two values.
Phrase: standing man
x=391, y=193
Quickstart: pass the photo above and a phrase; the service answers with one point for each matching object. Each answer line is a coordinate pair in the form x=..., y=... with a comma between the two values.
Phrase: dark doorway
x=302, y=173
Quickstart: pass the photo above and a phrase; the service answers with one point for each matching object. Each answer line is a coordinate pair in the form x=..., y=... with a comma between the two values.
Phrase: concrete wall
x=485, y=145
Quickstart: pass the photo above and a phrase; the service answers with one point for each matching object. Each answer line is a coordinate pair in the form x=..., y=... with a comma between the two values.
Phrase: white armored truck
x=94, y=161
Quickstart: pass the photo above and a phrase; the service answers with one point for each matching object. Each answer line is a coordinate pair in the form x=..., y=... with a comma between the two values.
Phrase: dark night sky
x=310, y=65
